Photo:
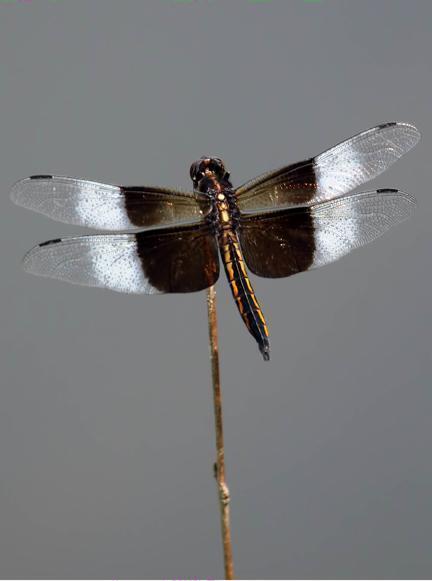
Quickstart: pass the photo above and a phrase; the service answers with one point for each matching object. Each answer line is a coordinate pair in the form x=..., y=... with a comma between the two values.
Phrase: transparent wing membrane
x=332, y=173
x=108, y=207
x=286, y=242
x=165, y=261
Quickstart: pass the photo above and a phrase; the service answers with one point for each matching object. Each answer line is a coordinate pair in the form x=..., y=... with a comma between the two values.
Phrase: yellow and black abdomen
x=242, y=290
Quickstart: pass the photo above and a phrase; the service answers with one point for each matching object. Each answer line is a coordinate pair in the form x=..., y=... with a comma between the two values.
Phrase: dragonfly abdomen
x=242, y=290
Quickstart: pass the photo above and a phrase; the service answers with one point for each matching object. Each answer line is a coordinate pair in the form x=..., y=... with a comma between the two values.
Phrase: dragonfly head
x=208, y=168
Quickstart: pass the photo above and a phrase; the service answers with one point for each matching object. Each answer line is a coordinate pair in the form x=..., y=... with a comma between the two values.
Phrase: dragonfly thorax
x=225, y=213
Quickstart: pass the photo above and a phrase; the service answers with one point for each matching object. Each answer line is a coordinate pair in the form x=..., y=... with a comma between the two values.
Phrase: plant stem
x=219, y=465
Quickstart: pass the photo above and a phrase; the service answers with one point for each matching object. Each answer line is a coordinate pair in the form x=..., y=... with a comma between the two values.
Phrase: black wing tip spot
x=389, y=124
x=48, y=242
x=41, y=177
x=386, y=190
x=400, y=124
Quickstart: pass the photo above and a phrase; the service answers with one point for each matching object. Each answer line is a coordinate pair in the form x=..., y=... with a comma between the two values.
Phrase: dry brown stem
x=219, y=466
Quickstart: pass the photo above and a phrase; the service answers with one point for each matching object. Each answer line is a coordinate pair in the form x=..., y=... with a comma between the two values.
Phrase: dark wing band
x=332, y=173
x=108, y=207
x=283, y=243
x=166, y=261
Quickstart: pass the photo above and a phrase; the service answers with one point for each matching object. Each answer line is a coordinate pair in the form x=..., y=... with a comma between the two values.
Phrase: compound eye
x=195, y=170
x=217, y=166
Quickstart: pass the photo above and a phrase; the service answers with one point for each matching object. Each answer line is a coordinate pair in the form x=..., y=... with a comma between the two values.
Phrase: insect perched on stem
x=291, y=220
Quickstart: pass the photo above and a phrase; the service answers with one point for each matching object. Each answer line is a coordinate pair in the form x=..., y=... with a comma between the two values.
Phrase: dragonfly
x=283, y=222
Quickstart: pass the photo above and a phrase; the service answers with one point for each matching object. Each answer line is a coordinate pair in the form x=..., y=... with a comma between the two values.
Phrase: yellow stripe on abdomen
x=242, y=290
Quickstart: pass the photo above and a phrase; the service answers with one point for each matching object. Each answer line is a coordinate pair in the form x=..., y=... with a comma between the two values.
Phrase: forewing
x=332, y=173
x=166, y=261
x=284, y=243
x=108, y=207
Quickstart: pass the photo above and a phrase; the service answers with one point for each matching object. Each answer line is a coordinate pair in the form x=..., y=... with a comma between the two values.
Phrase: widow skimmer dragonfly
x=286, y=221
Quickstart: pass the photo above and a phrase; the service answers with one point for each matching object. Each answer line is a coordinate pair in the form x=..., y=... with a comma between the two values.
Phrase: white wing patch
x=73, y=201
x=361, y=158
x=101, y=261
x=352, y=221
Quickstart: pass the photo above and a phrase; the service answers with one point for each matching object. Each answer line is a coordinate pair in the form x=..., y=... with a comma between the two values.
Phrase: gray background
x=106, y=427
